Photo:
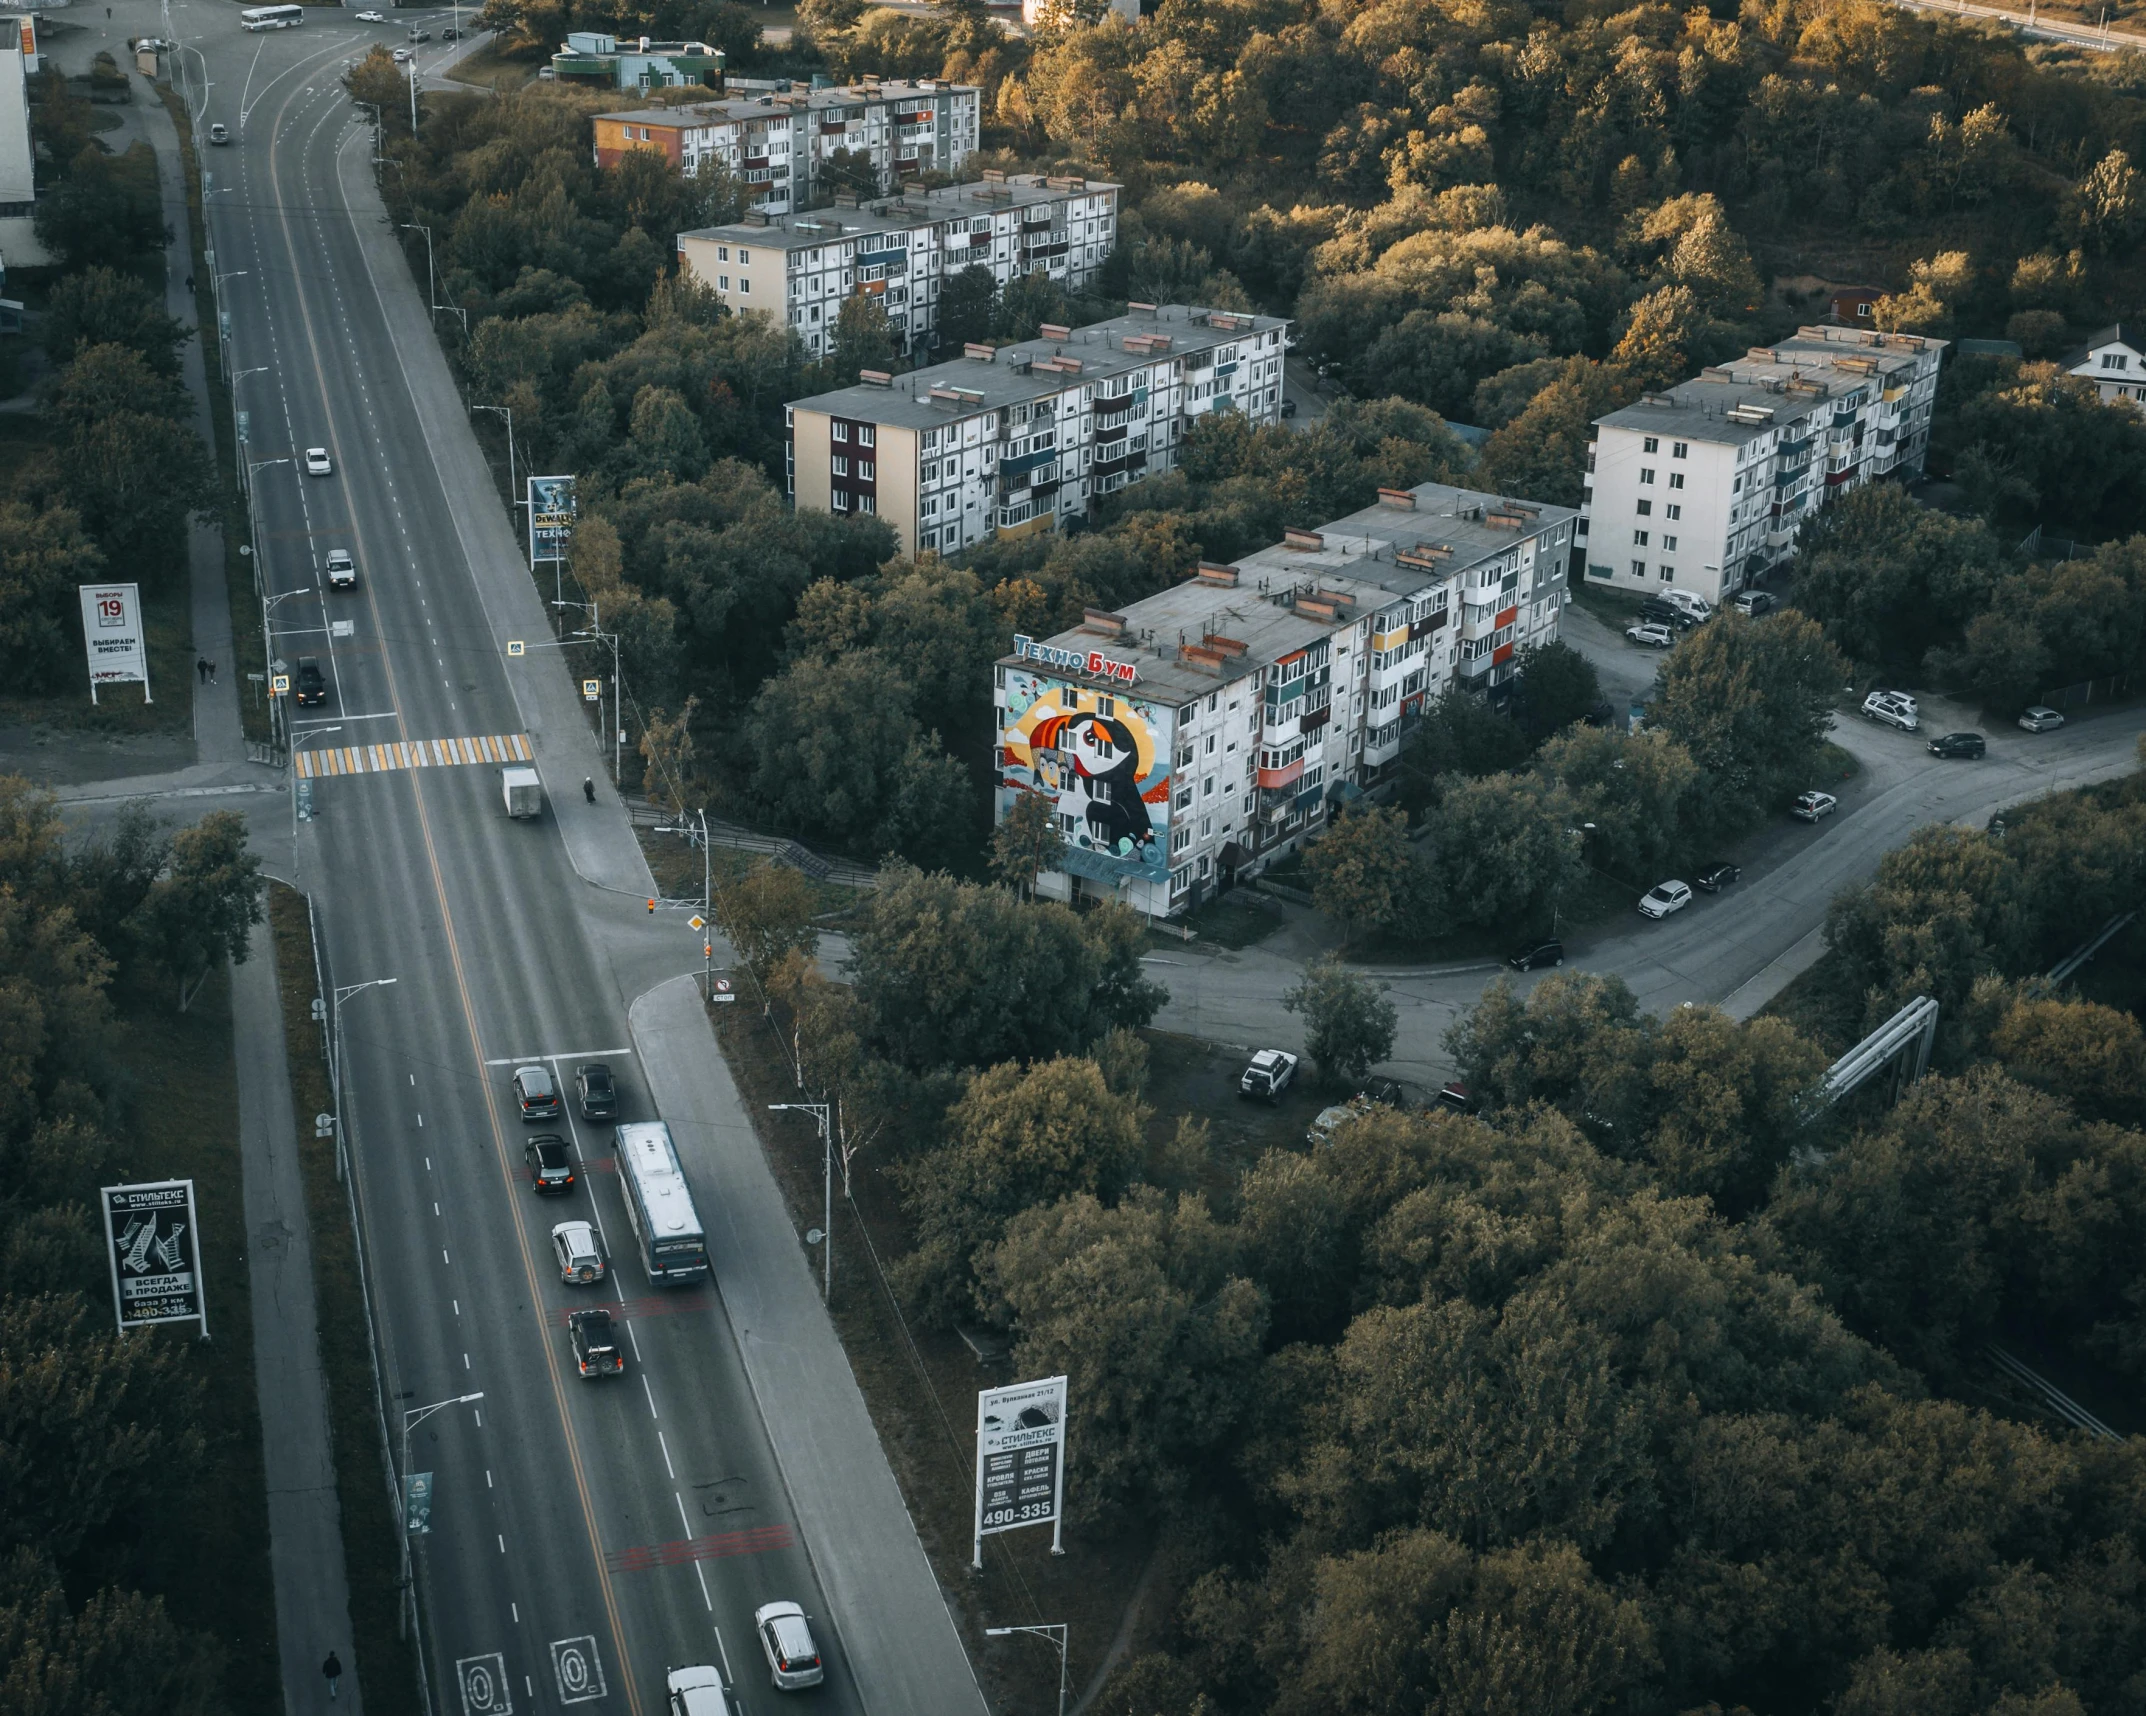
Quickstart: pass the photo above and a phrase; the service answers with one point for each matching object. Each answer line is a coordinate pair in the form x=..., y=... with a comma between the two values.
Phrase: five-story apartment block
x=1704, y=487
x=902, y=251
x=1012, y=440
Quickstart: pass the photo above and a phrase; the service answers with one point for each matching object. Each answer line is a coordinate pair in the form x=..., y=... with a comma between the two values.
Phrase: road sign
x=515, y=647
x=155, y=1247
x=697, y=921
x=592, y=691
x=324, y=1125
x=279, y=685
x=719, y=989
x=417, y=1503
x=1020, y=1459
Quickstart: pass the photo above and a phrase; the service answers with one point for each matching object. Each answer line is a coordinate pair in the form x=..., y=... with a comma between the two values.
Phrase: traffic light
x=651, y=908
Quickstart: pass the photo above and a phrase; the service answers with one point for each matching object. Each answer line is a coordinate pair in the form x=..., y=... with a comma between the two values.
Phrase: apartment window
x=1679, y=449
x=864, y=435
x=722, y=253
x=2115, y=360
x=840, y=466
x=1669, y=574
x=867, y=504
x=1183, y=800
x=1669, y=544
x=839, y=500
x=1649, y=444
x=722, y=283
x=745, y=255
x=1181, y=838
x=1639, y=567
x=744, y=285
x=1676, y=479
x=1644, y=508
x=1639, y=537
x=838, y=431
x=1673, y=510
x=868, y=470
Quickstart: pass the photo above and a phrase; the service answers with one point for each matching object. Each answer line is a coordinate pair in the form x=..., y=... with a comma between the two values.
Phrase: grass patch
x=1835, y=764
x=186, y=1127
x=492, y=67
x=677, y=867
x=1613, y=607
x=1238, y=919
x=372, y=1552
x=1822, y=1005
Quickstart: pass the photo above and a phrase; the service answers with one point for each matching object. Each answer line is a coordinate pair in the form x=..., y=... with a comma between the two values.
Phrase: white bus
x=273, y=17
x=665, y=1225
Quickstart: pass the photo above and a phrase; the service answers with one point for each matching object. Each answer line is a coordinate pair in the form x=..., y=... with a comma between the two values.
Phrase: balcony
x=1274, y=780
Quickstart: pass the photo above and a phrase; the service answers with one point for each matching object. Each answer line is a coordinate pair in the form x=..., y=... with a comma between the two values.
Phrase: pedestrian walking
x=588, y=788
x=333, y=1669
x=201, y=668
x=212, y=673
x=189, y=282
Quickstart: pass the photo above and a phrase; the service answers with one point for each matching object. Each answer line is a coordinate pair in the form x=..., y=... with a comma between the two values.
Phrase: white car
x=317, y=463
x=1692, y=604
x=371, y=17
x=575, y=1250
x=401, y=56
x=342, y=570
x=1888, y=707
x=1269, y=1074
x=1812, y=805
x=2041, y=718
x=1663, y=898
x=696, y=1691
x=786, y=1638
x=1655, y=637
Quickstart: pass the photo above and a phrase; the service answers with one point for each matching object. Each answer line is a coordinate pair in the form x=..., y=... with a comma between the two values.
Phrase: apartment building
x=1704, y=487
x=2114, y=360
x=591, y=57
x=1012, y=441
x=1199, y=735
x=801, y=267
x=19, y=242
x=779, y=141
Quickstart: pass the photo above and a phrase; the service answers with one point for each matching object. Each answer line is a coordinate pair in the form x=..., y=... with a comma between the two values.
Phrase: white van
x=1693, y=604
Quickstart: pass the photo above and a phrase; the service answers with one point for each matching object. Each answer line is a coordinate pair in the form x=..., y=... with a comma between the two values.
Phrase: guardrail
x=794, y=854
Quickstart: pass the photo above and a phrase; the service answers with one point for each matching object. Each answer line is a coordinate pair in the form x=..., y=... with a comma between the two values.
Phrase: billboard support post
x=1020, y=1461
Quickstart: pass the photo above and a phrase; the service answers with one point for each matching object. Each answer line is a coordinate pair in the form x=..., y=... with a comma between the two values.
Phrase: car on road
x=1960, y=745
x=1812, y=805
x=786, y=1640
x=1271, y=1073
x=371, y=17
x=417, y=36
x=551, y=1164
x=2041, y=719
x=342, y=570
x=317, y=462
x=1716, y=876
x=1756, y=602
x=402, y=56
x=574, y=1249
x=696, y=1691
x=595, y=1339
x=1884, y=706
x=1289, y=408
x=1663, y=898
x=597, y=1093
x=1536, y=953
x=1652, y=634
x=448, y=33
x=312, y=684
x=537, y=1096
x=219, y=134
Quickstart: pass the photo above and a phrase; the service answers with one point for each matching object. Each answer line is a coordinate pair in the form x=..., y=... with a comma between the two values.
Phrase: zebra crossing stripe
x=393, y=756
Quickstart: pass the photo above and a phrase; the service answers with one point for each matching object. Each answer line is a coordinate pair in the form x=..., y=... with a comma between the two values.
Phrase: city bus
x=272, y=18
x=666, y=1228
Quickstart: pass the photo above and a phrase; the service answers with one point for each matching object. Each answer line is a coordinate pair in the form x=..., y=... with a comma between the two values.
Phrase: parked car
x=1667, y=613
x=1812, y=805
x=595, y=1339
x=1960, y=745
x=317, y=462
x=1537, y=953
x=786, y=1639
x=575, y=1250
x=551, y=1164
x=1716, y=876
x=1899, y=699
x=1690, y=602
x=219, y=134
x=342, y=570
x=312, y=686
x=1755, y=603
x=1653, y=635
x=536, y=1095
x=1271, y=1072
x=1663, y=898
x=1384, y=1090
x=1331, y=1119
x=1883, y=706
x=599, y=1096
x=1289, y=408
x=1454, y=1095
x=2041, y=719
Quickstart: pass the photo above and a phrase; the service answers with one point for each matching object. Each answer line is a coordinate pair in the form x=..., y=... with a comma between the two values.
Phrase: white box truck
x=523, y=791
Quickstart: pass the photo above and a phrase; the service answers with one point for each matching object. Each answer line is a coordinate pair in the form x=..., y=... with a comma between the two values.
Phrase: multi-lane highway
x=583, y=1535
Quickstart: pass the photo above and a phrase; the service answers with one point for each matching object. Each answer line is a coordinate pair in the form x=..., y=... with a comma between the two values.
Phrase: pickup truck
x=523, y=791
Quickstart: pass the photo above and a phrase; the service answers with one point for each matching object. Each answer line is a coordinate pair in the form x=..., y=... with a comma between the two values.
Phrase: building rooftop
x=1017, y=372
x=893, y=214
x=1769, y=386
x=785, y=102
x=1225, y=622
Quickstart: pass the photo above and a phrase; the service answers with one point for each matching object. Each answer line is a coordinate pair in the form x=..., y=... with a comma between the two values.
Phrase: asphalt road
x=583, y=1535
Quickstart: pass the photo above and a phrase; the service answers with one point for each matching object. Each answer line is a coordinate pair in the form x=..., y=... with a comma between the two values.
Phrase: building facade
x=589, y=56
x=779, y=142
x=2114, y=360
x=1199, y=735
x=19, y=242
x=1012, y=441
x=1704, y=487
x=800, y=268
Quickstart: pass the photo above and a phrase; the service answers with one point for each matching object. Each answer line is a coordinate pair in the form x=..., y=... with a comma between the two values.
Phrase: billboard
x=112, y=636
x=1020, y=1459
x=551, y=517
x=156, y=1254
x=1104, y=759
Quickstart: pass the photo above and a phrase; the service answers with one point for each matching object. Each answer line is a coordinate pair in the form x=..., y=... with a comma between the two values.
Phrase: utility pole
x=826, y=1235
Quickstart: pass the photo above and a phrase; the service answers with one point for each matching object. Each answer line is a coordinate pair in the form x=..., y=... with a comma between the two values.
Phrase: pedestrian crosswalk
x=414, y=754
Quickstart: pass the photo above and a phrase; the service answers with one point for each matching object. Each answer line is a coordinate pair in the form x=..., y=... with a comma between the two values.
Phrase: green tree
x=1891, y=580
x=1542, y=453
x=1026, y=841
x=1348, y=1024
x=1363, y=870
x=44, y=557
x=99, y=306
x=863, y=339
x=1668, y=336
x=117, y=1651
x=107, y=212
x=966, y=301
x=766, y=915
x=1557, y=687
x=1026, y=304
x=197, y=914
x=1460, y=734
x=1502, y=849
x=2092, y=1056
x=1636, y=790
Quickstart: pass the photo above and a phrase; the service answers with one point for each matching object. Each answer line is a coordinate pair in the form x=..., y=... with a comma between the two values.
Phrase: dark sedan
x=1959, y=745
x=1537, y=953
x=599, y=1096
x=1717, y=876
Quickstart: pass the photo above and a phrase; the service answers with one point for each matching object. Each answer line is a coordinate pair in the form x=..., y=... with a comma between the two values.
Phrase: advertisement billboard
x=1104, y=761
x=156, y=1254
x=552, y=510
x=112, y=636
x=1020, y=1459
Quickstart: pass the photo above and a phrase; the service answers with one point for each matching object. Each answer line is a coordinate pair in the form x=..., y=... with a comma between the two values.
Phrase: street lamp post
x=821, y=1112
x=260, y=580
x=707, y=899
x=432, y=291
x=411, y=1416
x=1056, y=1632
x=335, y=1052
x=508, y=414
x=595, y=633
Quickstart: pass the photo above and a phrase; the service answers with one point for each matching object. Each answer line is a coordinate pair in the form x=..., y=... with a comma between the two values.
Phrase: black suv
x=1717, y=876
x=599, y=1096
x=1959, y=745
x=1537, y=953
x=1662, y=613
x=596, y=1348
x=551, y=1164
x=312, y=687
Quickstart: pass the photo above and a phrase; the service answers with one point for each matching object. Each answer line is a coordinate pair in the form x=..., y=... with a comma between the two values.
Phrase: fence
x=2078, y=696
x=794, y=854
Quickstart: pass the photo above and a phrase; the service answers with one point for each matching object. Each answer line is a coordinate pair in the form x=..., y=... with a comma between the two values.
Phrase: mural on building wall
x=1102, y=758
